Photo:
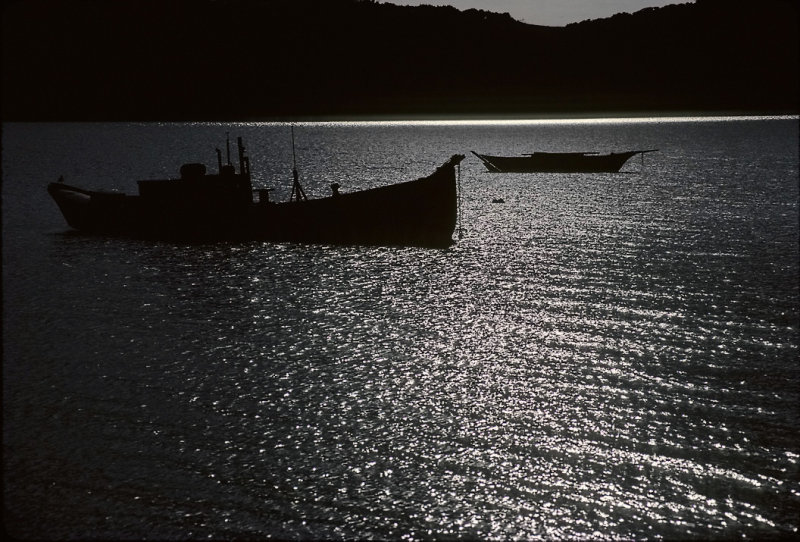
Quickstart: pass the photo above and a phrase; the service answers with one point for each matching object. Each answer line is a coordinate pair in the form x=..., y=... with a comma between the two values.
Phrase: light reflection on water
x=493, y=122
x=601, y=356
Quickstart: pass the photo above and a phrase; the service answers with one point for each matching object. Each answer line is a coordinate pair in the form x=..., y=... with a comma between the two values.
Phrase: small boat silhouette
x=559, y=162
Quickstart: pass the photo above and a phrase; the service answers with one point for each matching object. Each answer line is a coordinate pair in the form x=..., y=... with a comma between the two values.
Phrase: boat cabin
x=196, y=186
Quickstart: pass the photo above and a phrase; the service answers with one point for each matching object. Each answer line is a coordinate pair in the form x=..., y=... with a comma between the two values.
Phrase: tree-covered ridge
x=213, y=59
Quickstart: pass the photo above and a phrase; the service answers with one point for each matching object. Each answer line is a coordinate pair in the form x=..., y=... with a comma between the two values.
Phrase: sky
x=547, y=12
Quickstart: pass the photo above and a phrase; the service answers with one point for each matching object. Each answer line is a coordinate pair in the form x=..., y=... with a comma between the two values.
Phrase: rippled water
x=600, y=356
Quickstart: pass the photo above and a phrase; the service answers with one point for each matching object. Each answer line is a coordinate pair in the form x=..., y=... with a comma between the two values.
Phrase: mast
x=294, y=158
x=297, y=190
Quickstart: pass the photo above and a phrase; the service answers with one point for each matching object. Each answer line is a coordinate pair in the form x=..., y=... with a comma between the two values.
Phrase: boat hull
x=557, y=162
x=421, y=212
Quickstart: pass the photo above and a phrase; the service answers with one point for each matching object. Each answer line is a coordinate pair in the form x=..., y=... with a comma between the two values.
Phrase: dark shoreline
x=639, y=115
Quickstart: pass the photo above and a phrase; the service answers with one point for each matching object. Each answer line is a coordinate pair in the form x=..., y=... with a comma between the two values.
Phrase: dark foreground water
x=601, y=356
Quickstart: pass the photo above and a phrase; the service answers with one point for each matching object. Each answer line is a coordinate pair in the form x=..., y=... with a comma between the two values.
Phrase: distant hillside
x=244, y=59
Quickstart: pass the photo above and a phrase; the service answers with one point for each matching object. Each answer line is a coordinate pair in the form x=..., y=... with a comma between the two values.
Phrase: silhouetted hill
x=238, y=59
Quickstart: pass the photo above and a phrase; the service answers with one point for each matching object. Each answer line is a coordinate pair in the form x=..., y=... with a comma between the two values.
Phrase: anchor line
x=458, y=191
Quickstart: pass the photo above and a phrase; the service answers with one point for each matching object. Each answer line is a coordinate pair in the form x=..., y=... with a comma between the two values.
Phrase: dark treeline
x=245, y=59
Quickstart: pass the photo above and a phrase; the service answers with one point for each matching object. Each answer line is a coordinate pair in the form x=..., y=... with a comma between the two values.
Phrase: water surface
x=604, y=355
